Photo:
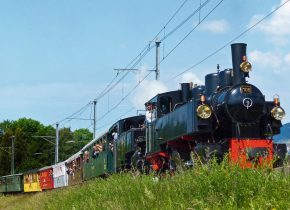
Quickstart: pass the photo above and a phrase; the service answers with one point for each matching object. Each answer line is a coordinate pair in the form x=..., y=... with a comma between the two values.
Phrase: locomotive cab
x=164, y=103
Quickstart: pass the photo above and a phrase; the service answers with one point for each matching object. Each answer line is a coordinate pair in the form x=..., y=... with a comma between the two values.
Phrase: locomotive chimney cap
x=238, y=44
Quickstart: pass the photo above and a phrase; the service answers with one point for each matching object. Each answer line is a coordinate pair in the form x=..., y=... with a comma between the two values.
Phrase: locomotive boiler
x=226, y=115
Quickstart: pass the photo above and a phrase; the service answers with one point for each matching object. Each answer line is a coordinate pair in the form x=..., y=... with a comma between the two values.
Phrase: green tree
x=82, y=134
x=72, y=141
x=34, y=152
x=26, y=146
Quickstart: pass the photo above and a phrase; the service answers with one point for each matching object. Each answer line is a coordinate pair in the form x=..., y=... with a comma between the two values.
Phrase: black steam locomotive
x=226, y=115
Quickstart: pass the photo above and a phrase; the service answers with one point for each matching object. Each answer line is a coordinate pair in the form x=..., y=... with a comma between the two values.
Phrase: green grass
x=207, y=187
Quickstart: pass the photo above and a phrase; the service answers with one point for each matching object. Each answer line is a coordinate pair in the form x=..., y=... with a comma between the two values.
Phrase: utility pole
x=12, y=155
x=94, y=133
x=56, y=143
x=157, y=71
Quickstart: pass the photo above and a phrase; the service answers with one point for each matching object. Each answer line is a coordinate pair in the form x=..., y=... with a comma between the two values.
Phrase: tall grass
x=212, y=186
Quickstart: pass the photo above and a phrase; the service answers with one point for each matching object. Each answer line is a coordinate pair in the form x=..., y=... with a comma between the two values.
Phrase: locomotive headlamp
x=203, y=111
x=278, y=113
x=245, y=65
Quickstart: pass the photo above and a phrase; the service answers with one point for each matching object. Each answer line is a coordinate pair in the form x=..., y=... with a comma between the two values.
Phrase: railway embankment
x=206, y=187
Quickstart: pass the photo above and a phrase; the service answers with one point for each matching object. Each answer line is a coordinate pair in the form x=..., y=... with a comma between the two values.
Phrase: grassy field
x=206, y=187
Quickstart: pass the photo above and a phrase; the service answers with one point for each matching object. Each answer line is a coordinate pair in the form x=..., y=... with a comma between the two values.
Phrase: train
x=227, y=116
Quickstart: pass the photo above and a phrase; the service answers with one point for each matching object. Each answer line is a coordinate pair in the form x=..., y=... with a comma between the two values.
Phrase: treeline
x=32, y=150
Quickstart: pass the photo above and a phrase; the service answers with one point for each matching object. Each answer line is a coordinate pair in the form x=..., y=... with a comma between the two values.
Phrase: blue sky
x=56, y=56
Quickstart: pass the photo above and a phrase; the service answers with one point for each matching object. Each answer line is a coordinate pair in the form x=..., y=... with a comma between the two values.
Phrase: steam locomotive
x=227, y=115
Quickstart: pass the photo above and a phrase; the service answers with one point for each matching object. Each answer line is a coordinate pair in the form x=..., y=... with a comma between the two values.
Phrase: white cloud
x=215, y=26
x=287, y=59
x=278, y=40
x=278, y=25
x=272, y=60
x=268, y=59
x=147, y=89
x=150, y=88
x=190, y=77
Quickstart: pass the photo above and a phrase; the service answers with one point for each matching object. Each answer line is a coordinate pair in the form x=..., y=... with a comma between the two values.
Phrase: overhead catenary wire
x=143, y=53
x=120, y=117
x=83, y=108
x=207, y=57
x=79, y=118
x=107, y=86
x=133, y=63
x=73, y=114
x=90, y=126
x=68, y=119
x=154, y=38
x=131, y=91
x=229, y=42
x=123, y=98
x=185, y=20
x=74, y=117
x=193, y=29
x=139, y=57
x=173, y=16
x=150, y=47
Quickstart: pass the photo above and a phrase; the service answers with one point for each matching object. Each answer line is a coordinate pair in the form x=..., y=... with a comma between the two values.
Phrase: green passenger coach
x=11, y=183
x=14, y=183
x=104, y=155
x=98, y=158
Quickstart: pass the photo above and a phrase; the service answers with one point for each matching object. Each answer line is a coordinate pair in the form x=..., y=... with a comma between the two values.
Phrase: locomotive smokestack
x=185, y=92
x=238, y=52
